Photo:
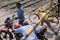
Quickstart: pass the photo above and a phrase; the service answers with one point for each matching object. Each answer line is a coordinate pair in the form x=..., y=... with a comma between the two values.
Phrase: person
x=16, y=25
x=8, y=25
x=20, y=13
x=46, y=20
x=24, y=30
x=59, y=8
x=55, y=9
x=41, y=34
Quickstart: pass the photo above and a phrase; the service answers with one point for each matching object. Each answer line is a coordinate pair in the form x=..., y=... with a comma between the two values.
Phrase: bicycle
x=36, y=16
x=52, y=15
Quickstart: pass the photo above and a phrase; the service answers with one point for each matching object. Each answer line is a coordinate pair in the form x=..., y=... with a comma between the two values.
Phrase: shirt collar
x=19, y=7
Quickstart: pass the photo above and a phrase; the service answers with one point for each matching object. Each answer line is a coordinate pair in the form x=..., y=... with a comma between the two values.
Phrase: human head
x=54, y=3
x=25, y=23
x=18, y=5
x=8, y=21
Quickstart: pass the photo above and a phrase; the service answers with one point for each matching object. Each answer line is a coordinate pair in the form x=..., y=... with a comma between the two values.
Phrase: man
x=55, y=9
x=59, y=7
x=24, y=30
x=46, y=20
x=20, y=13
x=8, y=25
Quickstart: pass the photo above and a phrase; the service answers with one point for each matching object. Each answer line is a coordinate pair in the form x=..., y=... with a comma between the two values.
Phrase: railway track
x=33, y=6
x=14, y=9
x=29, y=9
x=7, y=3
x=25, y=5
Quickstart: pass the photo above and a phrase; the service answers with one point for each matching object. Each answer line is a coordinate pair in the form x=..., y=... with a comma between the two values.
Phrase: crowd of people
x=23, y=27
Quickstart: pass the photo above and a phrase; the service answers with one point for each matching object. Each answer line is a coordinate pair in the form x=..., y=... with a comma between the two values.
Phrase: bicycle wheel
x=33, y=18
x=54, y=21
x=18, y=36
x=45, y=38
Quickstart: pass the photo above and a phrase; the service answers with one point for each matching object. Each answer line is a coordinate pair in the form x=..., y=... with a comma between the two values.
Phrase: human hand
x=15, y=18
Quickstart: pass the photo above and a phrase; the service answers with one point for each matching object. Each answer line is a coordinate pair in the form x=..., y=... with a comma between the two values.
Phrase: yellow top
x=41, y=14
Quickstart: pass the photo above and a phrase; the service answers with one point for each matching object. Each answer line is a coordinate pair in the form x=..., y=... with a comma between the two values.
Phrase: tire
x=18, y=36
x=5, y=37
x=45, y=38
x=11, y=36
x=33, y=18
x=57, y=37
x=0, y=36
x=55, y=20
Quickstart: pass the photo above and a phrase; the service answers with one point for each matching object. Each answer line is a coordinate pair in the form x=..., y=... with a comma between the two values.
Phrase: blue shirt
x=24, y=30
x=20, y=13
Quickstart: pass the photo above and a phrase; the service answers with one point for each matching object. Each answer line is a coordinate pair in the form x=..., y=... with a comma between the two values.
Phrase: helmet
x=8, y=20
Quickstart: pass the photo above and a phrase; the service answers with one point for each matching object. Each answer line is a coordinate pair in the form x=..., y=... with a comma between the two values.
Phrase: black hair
x=6, y=21
x=25, y=23
x=54, y=3
x=18, y=3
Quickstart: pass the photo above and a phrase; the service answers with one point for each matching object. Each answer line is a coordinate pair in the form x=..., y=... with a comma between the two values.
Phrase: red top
x=5, y=30
x=14, y=25
x=17, y=25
